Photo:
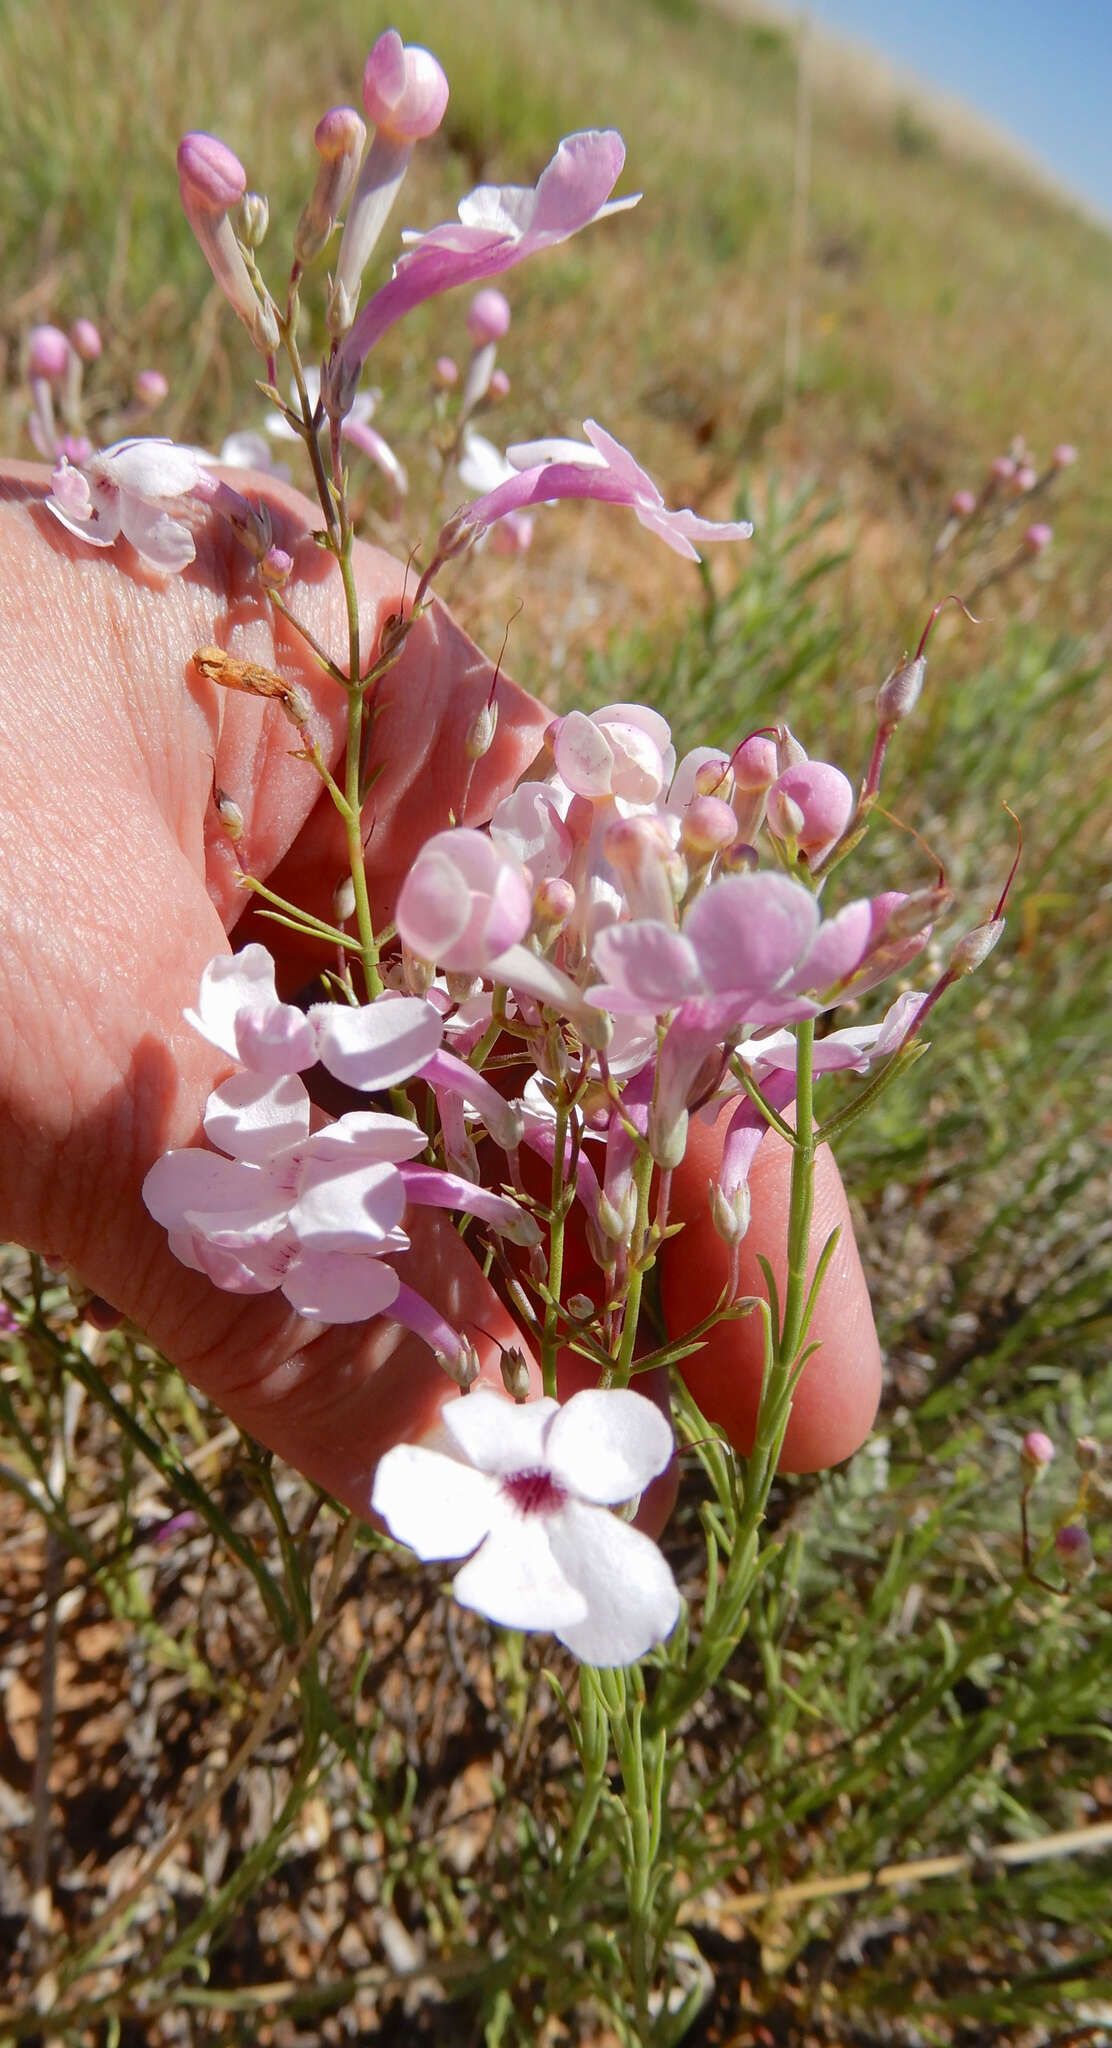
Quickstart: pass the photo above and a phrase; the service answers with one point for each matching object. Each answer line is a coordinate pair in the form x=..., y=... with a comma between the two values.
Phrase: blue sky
x=1041, y=68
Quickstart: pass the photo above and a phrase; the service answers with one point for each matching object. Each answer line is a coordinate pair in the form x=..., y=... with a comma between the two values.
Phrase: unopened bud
x=1088, y=1453
x=297, y=707
x=254, y=219
x=790, y=752
x=488, y=316
x=612, y=1223
x=339, y=138
x=481, y=731
x=914, y=914
x=48, y=353
x=1073, y=1547
x=1036, y=1451
x=899, y=692
x=463, y=1368
x=276, y=568
x=1003, y=469
x=405, y=91
x=86, y=340
x=515, y=1373
x=343, y=899
x=580, y=1307
x=756, y=763
x=1038, y=537
x=709, y=826
x=715, y=778
x=974, y=947
x=1025, y=478
x=812, y=803
x=212, y=181
x=445, y=373
x=730, y=1213
x=150, y=387
x=668, y=1145
x=1064, y=455
x=499, y=386
x=962, y=504
x=740, y=858
x=457, y=535
x=553, y=905
x=230, y=815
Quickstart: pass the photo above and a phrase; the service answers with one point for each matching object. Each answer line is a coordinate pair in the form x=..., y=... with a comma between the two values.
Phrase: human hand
x=118, y=884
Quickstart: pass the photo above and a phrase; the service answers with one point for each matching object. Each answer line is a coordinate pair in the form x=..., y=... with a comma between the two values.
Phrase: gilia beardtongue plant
x=630, y=944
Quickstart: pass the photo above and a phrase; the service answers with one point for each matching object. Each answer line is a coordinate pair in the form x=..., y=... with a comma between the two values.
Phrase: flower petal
x=498, y=1435
x=341, y=1208
x=749, y=931
x=339, y=1287
x=515, y=1579
x=164, y=542
x=607, y=1444
x=253, y=1118
x=631, y=1597
x=379, y=1044
x=438, y=1506
x=230, y=983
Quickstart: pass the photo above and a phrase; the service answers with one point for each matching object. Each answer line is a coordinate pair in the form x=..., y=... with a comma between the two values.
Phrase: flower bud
x=276, y=568
x=790, y=752
x=405, y=91
x=1038, y=537
x=755, y=764
x=339, y=138
x=668, y=1145
x=515, y=1373
x=553, y=905
x=1003, y=469
x=962, y=504
x=445, y=373
x=499, y=386
x=974, y=947
x=611, y=1221
x=740, y=858
x=1064, y=455
x=48, y=353
x=716, y=778
x=488, y=316
x=708, y=827
x=1036, y=1452
x=580, y=1307
x=86, y=340
x=150, y=388
x=212, y=181
x=1025, y=478
x=1073, y=1548
x=254, y=219
x=812, y=803
x=343, y=899
x=899, y=692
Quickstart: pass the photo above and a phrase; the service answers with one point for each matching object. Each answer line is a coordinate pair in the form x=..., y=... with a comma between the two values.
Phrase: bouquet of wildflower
x=629, y=942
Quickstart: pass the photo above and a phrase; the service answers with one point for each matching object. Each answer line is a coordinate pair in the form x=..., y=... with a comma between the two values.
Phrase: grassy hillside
x=905, y=1692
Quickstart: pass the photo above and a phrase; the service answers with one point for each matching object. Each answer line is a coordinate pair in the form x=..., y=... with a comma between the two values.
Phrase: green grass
x=904, y=1690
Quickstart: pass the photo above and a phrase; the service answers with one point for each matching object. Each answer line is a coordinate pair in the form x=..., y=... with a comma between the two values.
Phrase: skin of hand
x=117, y=885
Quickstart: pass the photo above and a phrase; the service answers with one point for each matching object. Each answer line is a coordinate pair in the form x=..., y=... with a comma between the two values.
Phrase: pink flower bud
x=405, y=91
x=821, y=800
x=499, y=386
x=445, y=372
x=150, y=387
x=715, y=778
x=339, y=140
x=1074, y=1550
x=488, y=316
x=86, y=340
x=47, y=353
x=1003, y=469
x=899, y=692
x=1064, y=455
x=210, y=175
x=1037, y=1451
x=1038, y=537
x=276, y=568
x=553, y=904
x=709, y=826
x=962, y=504
x=1025, y=478
x=755, y=764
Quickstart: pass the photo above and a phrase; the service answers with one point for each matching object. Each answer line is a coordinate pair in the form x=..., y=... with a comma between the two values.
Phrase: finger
x=839, y=1390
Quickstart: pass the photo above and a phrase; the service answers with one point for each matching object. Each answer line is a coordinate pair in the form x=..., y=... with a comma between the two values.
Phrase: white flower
x=526, y=1489
x=124, y=490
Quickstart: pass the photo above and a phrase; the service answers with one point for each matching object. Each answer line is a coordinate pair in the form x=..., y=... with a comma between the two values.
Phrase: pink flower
x=371, y=1047
x=125, y=489
x=600, y=468
x=526, y=1489
x=498, y=227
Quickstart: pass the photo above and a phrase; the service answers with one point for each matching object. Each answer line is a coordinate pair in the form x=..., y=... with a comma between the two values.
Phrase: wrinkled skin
x=117, y=885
